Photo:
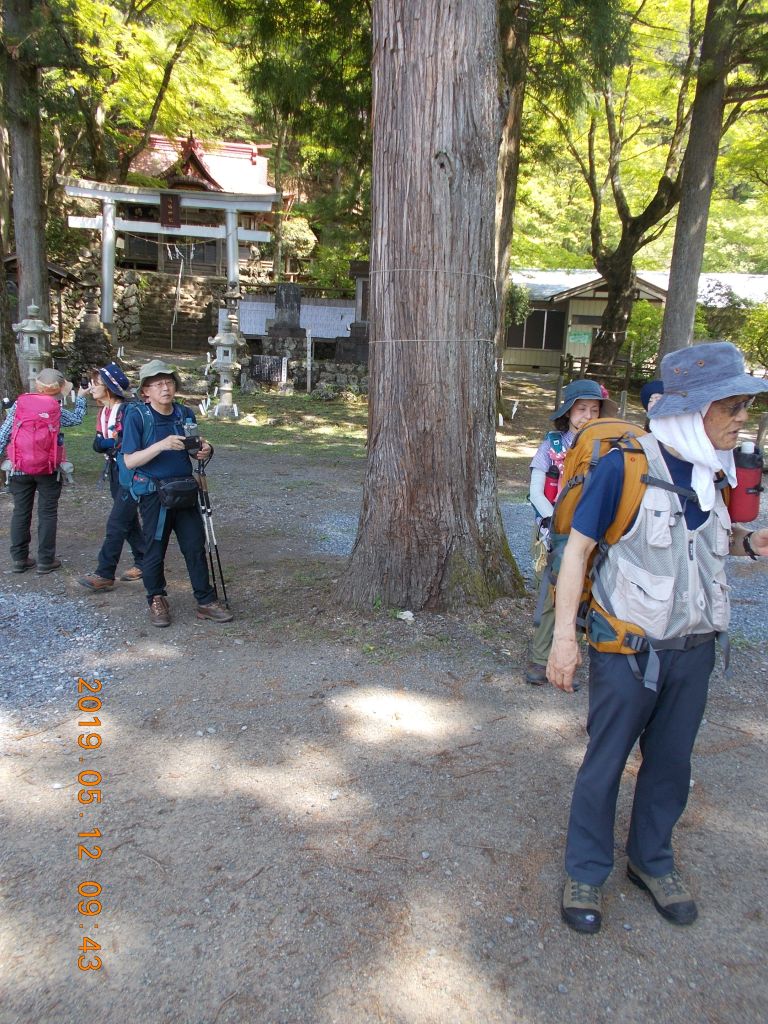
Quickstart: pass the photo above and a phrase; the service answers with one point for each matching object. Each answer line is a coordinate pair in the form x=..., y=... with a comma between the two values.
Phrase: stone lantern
x=226, y=344
x=32, y=345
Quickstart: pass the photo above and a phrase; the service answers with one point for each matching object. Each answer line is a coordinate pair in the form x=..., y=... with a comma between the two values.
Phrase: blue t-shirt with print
x=168, y=463
x=599, y=501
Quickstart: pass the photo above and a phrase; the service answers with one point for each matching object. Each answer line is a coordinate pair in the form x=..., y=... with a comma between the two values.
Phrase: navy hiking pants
x=622, y=711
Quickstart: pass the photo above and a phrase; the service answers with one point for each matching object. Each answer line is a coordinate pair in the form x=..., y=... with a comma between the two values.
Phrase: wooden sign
x=170, y=210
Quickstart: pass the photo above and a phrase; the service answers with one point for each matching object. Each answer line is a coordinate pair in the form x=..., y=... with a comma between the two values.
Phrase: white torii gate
x=108, y=223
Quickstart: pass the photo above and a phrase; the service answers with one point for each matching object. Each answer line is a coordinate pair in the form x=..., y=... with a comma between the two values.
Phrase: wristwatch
x=748, y=547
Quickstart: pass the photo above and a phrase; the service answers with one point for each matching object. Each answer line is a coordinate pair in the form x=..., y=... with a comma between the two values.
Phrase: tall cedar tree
x=430, y=532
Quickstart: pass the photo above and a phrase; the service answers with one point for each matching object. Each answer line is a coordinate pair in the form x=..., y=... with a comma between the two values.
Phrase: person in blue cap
x=650, y=393
x=663, y=584
x=583, y=400
x=111, y=389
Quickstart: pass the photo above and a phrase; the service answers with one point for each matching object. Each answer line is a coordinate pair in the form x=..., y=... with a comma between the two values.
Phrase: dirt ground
x=317, y=816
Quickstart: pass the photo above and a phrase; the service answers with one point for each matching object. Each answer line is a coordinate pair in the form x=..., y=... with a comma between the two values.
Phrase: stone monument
x=32, y=345
x=92, y=345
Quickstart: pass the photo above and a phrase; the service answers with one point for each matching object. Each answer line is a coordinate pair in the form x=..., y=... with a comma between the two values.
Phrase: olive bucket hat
x=157, y=368
x=700, y=374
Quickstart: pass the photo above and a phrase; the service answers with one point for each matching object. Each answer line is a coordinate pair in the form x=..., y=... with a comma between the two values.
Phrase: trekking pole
x=204, y=502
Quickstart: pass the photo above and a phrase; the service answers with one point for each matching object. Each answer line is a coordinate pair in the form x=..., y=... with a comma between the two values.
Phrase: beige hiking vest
x=661, y=576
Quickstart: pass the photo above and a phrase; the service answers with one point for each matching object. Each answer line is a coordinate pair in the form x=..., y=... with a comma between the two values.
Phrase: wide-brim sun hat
x=114, y=380
x=50, y=379
x=157, y=368
x=588, y=389
x=694, y=377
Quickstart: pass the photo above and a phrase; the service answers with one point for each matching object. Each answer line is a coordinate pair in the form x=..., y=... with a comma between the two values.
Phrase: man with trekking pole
x=659, y=601
x=159, y=439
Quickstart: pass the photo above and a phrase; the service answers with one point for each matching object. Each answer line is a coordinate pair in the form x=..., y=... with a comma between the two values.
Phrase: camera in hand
x=192, y=442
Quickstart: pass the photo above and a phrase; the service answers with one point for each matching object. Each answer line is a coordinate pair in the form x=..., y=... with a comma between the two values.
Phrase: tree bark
x=23, y=112
x=430, y=532
x=698, y=176
x=10, y=375
x=618, y=270
x=514, y=39
x=5, y=174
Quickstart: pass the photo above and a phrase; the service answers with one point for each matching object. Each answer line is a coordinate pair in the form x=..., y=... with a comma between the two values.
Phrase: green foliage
x=723, y=313
x=298, y=238
x=115, y=70
x=753, y=339
x=309, y=74
x=643, y=337
x=518, y=306
x=330, y=265
x=641, y=76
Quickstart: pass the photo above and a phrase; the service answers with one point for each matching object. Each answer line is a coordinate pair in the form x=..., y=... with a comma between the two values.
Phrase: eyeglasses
x=736, y=407
x=167, y=382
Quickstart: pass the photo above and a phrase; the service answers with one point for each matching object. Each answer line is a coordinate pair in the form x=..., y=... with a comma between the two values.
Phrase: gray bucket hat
x=695, y=376
x=50, y=378
x=157, y=368
x=588, y=389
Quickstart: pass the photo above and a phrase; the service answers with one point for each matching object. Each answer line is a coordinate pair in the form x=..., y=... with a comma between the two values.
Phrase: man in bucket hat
x=664, y=579
x=161, y=456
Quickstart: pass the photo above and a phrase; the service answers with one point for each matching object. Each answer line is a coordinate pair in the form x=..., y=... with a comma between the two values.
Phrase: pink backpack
x=34, y=446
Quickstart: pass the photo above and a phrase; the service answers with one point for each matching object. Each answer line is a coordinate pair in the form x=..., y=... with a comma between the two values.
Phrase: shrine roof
x=231, y=167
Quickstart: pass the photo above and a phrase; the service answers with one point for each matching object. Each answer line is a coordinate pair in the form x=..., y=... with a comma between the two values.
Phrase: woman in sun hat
x=583, y=400
x=111, y=389
x=28, y=476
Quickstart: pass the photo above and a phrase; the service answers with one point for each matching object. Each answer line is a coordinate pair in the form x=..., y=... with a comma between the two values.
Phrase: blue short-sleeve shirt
x=168, y=463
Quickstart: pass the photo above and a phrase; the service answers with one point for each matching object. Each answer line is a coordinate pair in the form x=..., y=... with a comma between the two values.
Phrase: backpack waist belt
x=603, y=635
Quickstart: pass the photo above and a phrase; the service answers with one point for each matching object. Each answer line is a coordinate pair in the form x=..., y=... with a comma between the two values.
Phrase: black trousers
x=122, y=525
x=48, y=489
x=187, y=524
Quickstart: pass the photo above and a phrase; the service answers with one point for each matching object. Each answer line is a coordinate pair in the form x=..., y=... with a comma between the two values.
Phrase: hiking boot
x=24, y=564
x=130, y=575
x=580, y=906
x=45, y=567
x=159, y=611
x=215, y=612
x=536, y=674
x=95, y=582
x=668, y=892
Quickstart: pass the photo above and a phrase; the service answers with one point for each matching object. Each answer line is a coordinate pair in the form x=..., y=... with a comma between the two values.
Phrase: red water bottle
x=744, y=505
x=551, y=484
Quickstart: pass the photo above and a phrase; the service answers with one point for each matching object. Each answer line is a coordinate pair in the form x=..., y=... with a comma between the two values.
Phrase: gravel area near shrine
x=311, y=816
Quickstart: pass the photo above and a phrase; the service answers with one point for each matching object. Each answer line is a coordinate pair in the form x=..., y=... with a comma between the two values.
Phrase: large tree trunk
x=514, y=41
x=5, y=174
x=618, y=270
x=23, y=110
x=430, y=532
x=698, y=176
x=10, y=376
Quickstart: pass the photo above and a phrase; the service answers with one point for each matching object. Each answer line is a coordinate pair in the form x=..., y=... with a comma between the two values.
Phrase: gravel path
x=315, y=817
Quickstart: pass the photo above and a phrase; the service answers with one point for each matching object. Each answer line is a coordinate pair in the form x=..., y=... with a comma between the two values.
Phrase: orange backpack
x=595, y=439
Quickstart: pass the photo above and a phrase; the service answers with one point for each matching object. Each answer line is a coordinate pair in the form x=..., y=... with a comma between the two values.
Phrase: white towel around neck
x=686, y=435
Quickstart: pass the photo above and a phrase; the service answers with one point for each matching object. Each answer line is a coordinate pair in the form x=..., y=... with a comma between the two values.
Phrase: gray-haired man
x=666, y=576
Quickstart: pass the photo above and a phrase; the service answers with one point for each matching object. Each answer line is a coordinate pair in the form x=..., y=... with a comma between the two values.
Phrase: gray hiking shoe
x=580, y=906
x=669, y=894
